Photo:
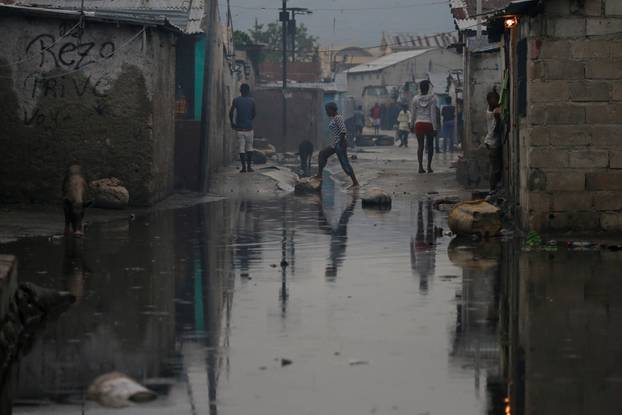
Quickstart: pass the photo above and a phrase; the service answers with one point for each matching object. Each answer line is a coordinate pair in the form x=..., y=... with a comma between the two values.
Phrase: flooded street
x=309, y=306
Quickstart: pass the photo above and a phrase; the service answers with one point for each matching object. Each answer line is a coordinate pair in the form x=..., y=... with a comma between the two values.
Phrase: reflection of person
x=424, y=120
x=246, y=238
x=75, y=268
x=241, y=116
x=403, y=125
x=423, y=247
x=338, y=133
x=359, y=121
x=338, y=238
x=493, y=141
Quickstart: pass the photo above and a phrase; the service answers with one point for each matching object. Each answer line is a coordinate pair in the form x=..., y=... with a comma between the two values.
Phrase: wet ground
x=377, y=312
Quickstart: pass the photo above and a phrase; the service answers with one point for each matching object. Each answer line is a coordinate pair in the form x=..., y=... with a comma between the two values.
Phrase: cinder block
x=616, y=49
x=603, y=69
x=554, y=49
x=557, y=114
x=611, y=180
x=548, y=91
x=589, y=91
x=593, y=7
x=589, y=158
x=566, y=27
x=607, y=136
x=569, y=135
x=615, y=159
x=587, y=49
x=557, y=8
x=604, y=114
x=571, y=201
x=544, y=157
x=598, y=26
x=540, y=202
x=538, y=136
x=565, y=181
x=613, y=8
x=563, y=70
x=607, y=200
x=574, y=221
x=535, y=69
x=611, y=221
x=536, y=180
x=616, y=92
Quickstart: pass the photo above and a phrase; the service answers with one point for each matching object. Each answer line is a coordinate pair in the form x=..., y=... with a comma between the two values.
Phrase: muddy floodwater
x=315, y=306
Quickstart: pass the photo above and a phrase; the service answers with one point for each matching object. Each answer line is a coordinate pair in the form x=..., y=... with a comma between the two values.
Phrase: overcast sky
x=352, y=27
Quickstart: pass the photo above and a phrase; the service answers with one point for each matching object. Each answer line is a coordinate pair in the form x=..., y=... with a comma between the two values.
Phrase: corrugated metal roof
x=409, y=41
x=387, y=61
x=154, y=21
x=465, y=11
x=187, y=15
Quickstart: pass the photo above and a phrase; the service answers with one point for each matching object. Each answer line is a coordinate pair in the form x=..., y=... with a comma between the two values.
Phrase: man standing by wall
x=241, y=116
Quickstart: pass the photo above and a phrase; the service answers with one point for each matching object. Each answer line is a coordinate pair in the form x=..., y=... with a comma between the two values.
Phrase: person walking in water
x=403, y=125
x=493, y=140
x=241, y=116
x=338, y=132
x=424, y=120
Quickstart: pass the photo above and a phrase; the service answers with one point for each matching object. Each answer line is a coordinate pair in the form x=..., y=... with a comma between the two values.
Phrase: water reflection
x=201, y=304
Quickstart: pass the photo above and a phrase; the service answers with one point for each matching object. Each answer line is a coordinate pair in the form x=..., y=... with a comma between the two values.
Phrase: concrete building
x=564, y=111
x=399, y=68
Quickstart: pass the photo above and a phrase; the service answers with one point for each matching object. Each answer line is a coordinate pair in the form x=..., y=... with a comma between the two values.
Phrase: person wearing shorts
x=241, y=116
x=424, y=119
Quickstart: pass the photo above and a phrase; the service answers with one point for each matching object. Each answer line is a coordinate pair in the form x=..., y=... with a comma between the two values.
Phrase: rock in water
x=109, y=194
x=116, y=390
x=308, y=185
x=377, y=198
x=476, y=217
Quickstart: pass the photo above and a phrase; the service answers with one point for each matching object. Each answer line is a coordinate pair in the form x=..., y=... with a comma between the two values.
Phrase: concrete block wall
x=572, y=135
x=103, y=95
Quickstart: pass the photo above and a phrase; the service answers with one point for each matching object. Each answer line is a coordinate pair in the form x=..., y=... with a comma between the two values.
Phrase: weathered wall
x=436, y=60
x=304, y=116
x=103, y=96
x=571, y=151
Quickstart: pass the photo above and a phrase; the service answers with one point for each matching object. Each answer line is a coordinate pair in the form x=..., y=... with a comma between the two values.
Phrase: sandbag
x=109, y=194
x=269, y=151
x=365, y=141
x=259, y=157
x=116, y=390
x=476, y=217
x=308, y=185
x=385, y=140
x=377, y=198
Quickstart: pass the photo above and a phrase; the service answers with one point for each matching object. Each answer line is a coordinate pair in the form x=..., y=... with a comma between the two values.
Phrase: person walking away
x=447, y=131
x=376, y=115
x=403, y=125
x=359, y=121
x=337, y=131
x=241, y=116
x=493, y=140
x=424, y=120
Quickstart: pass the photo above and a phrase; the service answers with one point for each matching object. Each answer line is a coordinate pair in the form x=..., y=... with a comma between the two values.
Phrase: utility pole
x=284, y=18
x=209, y=28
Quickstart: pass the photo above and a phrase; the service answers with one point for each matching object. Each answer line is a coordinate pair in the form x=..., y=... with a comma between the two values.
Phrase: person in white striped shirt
x=338, y=132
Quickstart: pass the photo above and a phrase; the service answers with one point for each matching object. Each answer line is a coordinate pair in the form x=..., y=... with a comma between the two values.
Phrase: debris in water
x=55, y=238
x=580, y=244
x=377, y=198
x=475, y=218
x=263, y=367
x=116, y=390
x=286, y=362
x=284, y=264
x=358, y=362
x=134, y=269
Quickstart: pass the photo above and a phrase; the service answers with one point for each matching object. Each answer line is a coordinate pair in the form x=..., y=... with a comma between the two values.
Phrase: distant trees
x=270, y=36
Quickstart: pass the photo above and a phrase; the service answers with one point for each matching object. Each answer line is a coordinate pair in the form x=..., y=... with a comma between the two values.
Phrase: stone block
x=566, y=27
x=557, y=114
x=607, y=200
x=574, y=221
x=563, y=70
x=588, y=159
x=604, y=114
x=593, y=7
x=536, y=180
x=548, y=91
x=535, y=70
x=538, y=136
x=615, y=159
x=607, y=136
x=588, y=49
x=569, y=136
x=616, y=91
x=541, y=157
x=553, y=49
x=611, y=221
x=611, y=180
x=589, y=91
x=603, y=69
x=565, y=181
x=540, y=202
x=571, y=201
x=557, y=8
x=603, y=26
x=616, y=49
x=8, y=282
x=613, y=8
